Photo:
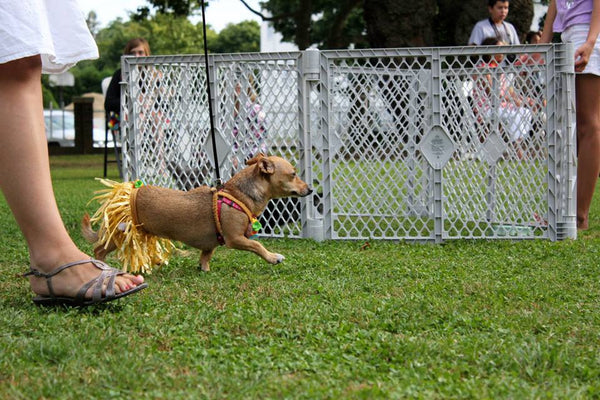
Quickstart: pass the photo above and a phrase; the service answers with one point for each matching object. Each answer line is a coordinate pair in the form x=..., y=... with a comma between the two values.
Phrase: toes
x=127, y=282
x=135, y=279
x=121, y=286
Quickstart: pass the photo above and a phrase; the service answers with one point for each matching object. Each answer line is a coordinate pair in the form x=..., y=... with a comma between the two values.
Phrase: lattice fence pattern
x=422, y=144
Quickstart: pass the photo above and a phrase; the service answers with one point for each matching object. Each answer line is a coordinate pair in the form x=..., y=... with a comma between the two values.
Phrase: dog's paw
x=275, y=258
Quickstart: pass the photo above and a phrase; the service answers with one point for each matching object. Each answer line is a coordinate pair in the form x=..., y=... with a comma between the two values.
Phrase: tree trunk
x=456, y=19
x=399, y=23
x=520, y=14
x=303, y=25
x=335, y=40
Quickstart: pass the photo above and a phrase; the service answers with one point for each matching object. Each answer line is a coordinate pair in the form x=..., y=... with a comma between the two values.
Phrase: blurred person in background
x=495, y=25
x=579, y=24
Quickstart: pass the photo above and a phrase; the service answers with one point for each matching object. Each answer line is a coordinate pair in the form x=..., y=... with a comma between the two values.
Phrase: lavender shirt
x=572, y=12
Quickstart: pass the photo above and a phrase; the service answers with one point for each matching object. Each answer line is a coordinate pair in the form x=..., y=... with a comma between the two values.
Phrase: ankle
x=50, y=259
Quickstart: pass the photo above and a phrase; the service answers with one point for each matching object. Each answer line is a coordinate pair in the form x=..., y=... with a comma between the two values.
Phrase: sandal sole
x=46, y=301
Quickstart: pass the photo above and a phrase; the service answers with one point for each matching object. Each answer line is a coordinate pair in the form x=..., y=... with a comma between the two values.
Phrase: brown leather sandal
x=108, y=273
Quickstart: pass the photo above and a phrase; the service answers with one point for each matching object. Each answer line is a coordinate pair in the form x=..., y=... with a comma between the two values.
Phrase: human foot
x=82, y=283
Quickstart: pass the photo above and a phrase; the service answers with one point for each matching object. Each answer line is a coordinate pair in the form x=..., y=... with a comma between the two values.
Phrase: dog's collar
x=220, y=197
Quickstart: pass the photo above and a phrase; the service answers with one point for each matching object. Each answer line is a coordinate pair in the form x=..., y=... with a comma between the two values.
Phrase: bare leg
x=587, y=90
x=27, y=186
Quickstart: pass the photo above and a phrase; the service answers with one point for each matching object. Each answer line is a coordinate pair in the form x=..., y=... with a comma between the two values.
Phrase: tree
x=412, y=22
x=452, y=20
x=455, y=20
x=235, y=38
x=92, y=22
x=521, y=16
x=328, y=24
x=167, y=34
x=388, y=23
x=168, y=31
x=342, y=24
x=178, y=8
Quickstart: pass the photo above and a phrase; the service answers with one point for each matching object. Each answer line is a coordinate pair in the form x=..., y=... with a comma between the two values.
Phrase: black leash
x=218, y=182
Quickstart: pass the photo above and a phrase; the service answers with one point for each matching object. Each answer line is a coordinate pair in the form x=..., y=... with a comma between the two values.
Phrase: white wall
x=538, y=12
x=270, y=41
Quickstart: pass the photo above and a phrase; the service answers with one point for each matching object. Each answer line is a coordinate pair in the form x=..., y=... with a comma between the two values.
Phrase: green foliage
x=47, y=95
x=176, y=35
x=180, y=8
x=111, y=42
x=167, y=33
x=328, y=24
x=234, y=38
x=340, y=26
x=285, y=16
x=467, y=319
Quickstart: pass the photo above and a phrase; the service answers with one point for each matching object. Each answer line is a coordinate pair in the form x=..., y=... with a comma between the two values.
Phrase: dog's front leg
x=243, y=243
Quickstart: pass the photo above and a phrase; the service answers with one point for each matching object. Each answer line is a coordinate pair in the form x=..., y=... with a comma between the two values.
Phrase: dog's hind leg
x=205, y=258
x=86, y=229
x=100, y=251
x=243, y=243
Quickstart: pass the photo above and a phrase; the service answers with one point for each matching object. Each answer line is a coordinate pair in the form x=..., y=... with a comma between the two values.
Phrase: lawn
x=466, y=319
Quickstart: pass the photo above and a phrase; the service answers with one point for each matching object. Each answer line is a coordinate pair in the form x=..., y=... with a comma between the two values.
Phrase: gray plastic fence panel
x=423, y=144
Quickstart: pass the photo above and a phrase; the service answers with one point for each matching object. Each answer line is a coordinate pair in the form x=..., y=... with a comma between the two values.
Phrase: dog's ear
x=266, y=166
x=255, y=159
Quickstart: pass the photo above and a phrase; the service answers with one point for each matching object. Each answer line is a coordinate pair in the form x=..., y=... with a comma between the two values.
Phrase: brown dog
x=189, y=217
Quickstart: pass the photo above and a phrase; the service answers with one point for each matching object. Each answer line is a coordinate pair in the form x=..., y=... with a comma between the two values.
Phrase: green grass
x=405, y=189
x=467, y=319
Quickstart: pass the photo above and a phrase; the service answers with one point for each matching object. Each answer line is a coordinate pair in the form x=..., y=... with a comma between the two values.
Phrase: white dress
x=54, y=29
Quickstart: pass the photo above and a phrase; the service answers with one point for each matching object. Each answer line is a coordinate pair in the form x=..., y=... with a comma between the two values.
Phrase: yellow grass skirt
x=137, y=250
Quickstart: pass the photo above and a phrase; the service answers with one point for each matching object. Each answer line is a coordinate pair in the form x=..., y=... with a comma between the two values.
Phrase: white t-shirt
x=485, y=29
x=55, y=29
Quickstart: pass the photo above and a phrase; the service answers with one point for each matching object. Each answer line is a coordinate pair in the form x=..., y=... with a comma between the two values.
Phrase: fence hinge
x=311, y=65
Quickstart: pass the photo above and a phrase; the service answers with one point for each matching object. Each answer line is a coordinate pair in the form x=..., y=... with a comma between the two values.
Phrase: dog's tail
x=86, y=229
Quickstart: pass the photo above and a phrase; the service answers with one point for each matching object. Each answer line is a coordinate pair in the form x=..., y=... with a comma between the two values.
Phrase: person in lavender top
x=579, y=23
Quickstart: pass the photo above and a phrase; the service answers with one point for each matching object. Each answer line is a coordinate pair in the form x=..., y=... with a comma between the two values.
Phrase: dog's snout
x=301, y=193
x=306, y=192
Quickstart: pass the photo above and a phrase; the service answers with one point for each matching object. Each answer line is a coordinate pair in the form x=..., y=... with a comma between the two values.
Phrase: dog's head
x=281, y=176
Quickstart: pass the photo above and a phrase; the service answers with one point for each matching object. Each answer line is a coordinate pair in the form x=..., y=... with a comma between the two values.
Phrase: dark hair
x=530, y=35
x=492, y=3
x=489, y=41
x=135, y=42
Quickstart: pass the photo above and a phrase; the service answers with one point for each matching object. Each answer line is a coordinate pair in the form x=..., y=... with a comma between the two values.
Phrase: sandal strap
x=97, y=283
